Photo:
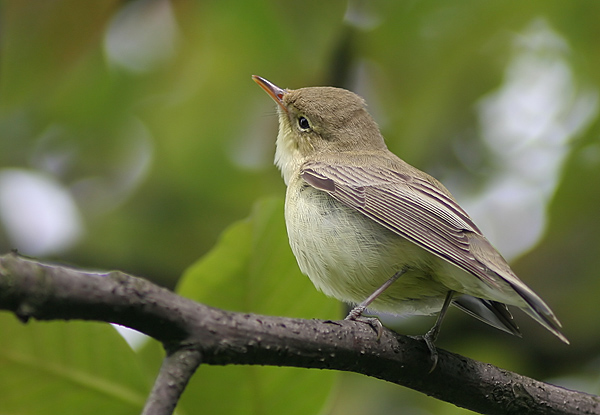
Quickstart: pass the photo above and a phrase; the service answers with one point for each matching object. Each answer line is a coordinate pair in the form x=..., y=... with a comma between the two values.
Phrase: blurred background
x=131, y=135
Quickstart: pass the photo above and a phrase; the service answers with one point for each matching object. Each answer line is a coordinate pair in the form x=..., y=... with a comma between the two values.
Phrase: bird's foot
x=356, y=315
x=429, y=339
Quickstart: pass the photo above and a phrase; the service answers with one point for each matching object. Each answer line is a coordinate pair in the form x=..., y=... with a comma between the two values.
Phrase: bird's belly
x=348, y=256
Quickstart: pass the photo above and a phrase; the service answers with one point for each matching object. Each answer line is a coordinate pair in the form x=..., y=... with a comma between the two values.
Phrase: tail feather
x=491, y=312
x=539, y=311
x=498, y=269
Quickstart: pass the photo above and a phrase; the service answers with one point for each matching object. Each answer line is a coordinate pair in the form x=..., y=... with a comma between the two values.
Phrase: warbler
x=371, y=230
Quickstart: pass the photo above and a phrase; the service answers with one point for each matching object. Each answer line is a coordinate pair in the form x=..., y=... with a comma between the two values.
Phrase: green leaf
x=252, y=269
x=68, y=368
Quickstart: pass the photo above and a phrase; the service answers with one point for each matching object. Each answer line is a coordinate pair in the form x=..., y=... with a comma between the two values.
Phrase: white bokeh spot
x=38, y=213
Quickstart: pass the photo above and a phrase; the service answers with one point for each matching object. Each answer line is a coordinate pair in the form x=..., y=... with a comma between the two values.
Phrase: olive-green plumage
x=357, y=214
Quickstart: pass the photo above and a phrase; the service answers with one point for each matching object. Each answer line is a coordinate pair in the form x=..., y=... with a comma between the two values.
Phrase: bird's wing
x=420, y=210
x=412, y=207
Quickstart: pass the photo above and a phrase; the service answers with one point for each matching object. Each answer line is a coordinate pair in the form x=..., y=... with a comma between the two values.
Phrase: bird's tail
x=491, y=312
x=539, y=311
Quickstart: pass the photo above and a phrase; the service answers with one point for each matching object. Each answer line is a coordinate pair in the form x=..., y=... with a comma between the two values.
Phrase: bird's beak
x=273, y=90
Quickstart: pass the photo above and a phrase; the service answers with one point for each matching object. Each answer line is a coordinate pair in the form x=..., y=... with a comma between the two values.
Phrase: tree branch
x=191, y=332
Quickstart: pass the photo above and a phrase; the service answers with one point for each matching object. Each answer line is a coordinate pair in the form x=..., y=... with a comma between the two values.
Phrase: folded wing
x=422, y=211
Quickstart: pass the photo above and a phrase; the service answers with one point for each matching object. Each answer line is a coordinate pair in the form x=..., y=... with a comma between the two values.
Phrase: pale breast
x=348, y=256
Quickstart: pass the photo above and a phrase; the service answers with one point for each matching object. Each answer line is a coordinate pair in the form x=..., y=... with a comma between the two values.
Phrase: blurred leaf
x=39, y=48
x=68, y=368
x=252, y=269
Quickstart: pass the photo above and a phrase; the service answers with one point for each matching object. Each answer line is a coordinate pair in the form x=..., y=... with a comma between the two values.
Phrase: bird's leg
x=432, y=334
x=356, y=313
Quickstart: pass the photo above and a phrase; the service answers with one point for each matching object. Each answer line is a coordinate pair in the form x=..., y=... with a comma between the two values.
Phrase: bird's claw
x=429, y=339
x=356, y=315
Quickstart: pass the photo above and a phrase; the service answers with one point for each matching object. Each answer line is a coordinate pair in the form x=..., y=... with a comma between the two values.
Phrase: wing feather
x=416, y=207
x=410, y=207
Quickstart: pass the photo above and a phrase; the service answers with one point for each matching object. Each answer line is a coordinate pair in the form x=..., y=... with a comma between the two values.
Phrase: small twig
x=175, y=372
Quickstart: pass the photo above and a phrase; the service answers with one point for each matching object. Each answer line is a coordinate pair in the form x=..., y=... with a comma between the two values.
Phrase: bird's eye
x=303, y=123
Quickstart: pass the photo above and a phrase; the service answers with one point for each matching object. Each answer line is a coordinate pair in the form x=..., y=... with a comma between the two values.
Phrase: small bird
x=371, y=230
